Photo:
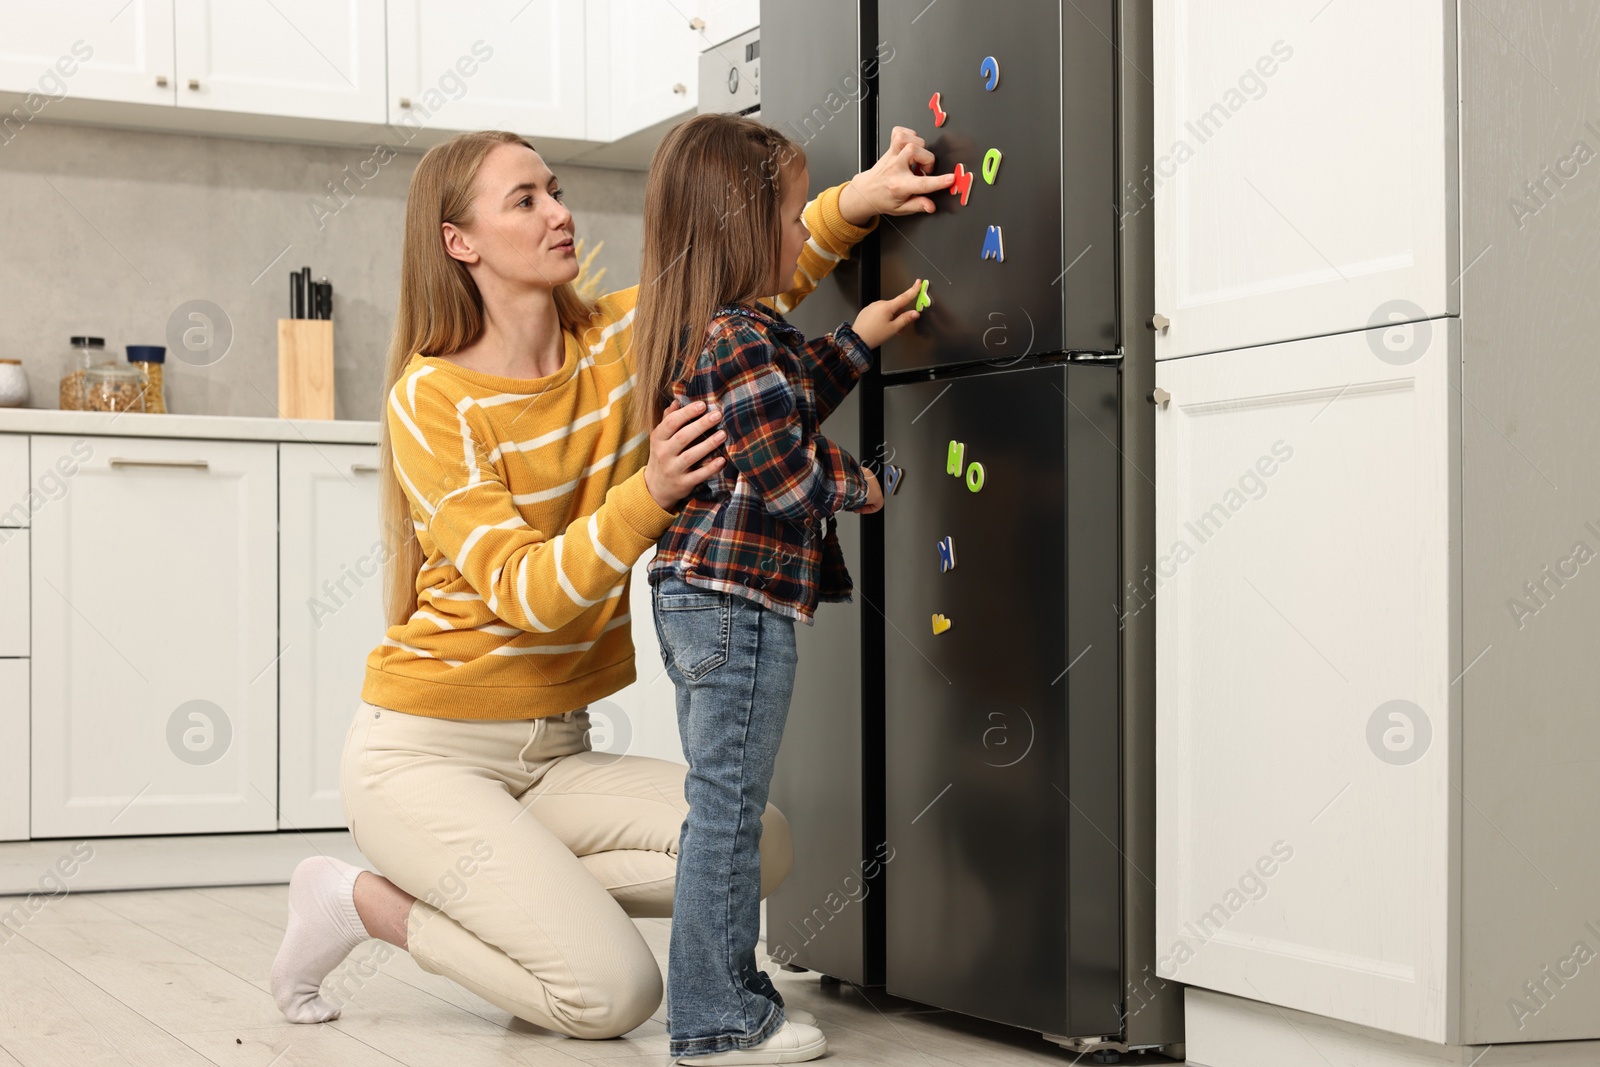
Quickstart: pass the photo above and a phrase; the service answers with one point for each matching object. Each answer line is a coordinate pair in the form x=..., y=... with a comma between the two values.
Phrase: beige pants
x=527, y=854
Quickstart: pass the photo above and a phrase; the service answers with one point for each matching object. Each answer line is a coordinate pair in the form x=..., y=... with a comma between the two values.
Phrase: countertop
x=211, y=427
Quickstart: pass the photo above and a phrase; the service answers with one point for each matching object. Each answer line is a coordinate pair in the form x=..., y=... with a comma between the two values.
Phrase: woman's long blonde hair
x=440, y=312
x=712, y=233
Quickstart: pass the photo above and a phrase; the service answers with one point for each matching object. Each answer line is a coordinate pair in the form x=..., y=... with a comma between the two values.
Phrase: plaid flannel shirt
x=762, y=527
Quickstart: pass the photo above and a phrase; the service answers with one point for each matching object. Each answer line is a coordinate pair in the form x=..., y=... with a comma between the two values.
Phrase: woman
x=519, y=493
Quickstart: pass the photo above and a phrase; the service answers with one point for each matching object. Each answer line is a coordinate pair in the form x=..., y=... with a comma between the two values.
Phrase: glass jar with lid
x=113, y=387
x=84, y=353
x=150, y=362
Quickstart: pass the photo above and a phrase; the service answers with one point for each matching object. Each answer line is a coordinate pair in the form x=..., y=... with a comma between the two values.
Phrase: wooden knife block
x=305, y=368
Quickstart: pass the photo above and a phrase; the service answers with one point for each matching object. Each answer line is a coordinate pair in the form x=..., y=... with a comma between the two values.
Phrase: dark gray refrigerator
x=1001, y=546
x=963, y=732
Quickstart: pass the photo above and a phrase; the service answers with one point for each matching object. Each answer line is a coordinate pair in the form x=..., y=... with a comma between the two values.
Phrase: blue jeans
x=733, y=664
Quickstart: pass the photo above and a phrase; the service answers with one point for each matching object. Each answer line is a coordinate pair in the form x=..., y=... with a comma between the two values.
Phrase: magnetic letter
x=956, y=457
x=947, y=554
x=975, y=477
x=991, y=165
x=963, y=183
x=924, y=301
x=940, y=624
x=994, y=245
x=990, y=70
x=938, y=112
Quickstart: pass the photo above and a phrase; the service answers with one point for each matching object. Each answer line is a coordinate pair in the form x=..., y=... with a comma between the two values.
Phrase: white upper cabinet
x=567, y=70
x=1305, y=174
x=648, y=60
x=155, y=614
x=103, y=50
x=727, y=18
x=318, y=59
x=1306, y=586
x=493, y=64
x=644, y=58
x=330, y=615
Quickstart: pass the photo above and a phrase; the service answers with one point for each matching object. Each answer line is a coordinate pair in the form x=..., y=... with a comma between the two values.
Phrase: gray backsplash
x=108, y=232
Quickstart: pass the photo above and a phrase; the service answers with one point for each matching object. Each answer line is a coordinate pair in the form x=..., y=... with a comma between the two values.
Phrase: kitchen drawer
x=13, y=480
x=13, y=749
x=13, y=592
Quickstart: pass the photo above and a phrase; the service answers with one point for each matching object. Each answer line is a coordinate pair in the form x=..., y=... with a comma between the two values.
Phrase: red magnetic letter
x=962, y=185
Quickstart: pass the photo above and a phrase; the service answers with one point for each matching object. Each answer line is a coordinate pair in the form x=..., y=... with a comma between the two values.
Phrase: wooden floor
x=173, y=978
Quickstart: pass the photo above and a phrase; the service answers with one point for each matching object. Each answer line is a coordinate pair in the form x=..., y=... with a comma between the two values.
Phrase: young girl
x=753, y=549
x=519, y=492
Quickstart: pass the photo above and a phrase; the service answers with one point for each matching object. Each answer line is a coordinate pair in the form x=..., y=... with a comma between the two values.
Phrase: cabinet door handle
x=363, y=468
x=187, y=464
x=697, y=24
x=680, y=88
x=194, y=83
x=1159, y=397
x=405, y=101
x=161, y=81
x=1159, y=322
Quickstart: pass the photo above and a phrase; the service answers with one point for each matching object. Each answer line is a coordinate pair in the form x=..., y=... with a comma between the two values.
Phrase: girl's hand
x=883, y=319
x=674, y=467
x=874, y=495
x=892, y=187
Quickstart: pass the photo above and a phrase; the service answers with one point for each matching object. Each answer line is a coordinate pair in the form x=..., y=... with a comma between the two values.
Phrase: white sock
x=323, y=928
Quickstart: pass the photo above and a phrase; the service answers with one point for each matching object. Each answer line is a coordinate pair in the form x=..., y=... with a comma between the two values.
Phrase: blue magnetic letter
x=994, y=246
x=991, y=71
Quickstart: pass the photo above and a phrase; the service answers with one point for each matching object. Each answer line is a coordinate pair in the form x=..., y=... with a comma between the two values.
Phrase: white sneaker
x=796, y=1015
x=793, y=1042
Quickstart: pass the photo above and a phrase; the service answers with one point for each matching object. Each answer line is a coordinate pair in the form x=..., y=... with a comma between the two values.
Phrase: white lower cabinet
x=1307, y=581
x=14, y=506
x=15, y=511
x=14, y=750
x=154, y=688
x=330, y=593
x=13, y=592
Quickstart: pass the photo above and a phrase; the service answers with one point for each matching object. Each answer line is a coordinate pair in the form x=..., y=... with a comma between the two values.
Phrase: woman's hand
x=892, y=187
x=874, y=495
x=883, y=319
x=674, y=467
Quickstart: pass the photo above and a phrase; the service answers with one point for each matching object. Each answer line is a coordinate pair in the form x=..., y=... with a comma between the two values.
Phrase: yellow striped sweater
x=529, y=502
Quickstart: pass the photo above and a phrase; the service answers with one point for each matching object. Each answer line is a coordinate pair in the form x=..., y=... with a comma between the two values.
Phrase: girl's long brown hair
x=440, y=312
x=712, y=235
